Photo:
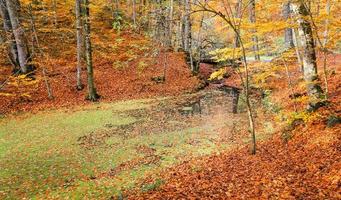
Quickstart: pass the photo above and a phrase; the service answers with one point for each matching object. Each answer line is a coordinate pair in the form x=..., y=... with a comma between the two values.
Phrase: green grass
x=41, y=155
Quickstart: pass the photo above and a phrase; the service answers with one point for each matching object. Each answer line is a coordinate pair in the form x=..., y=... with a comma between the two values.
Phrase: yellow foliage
x=6, y=94
x=219, y=74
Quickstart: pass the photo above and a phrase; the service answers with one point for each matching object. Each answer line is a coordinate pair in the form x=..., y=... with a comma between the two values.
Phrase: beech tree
x=92, y=93
x=288, y=32
x=80, y=42
x=187, y=33
x=18, y=48
x=12, y=46
x=252, y=18
x=309, y=56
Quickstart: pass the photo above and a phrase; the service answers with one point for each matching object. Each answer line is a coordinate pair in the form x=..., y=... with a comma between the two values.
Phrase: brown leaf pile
x=294, y=170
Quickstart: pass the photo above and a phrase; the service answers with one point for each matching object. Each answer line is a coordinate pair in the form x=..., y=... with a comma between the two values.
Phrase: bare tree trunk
x=171, y=13
x=19, y=35
x=252, y=18
x=309, y=56
x=92, y=93
x=325, y=53
x=12, y=46
x=134, y=11
x=55, y=21
x=238, y=15
x=297, y=50
x=80, y=42
x=326, y=32
x=288, y=33
x=187, y=26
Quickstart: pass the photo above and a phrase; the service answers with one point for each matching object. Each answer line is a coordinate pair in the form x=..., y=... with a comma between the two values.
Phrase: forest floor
x=99, y=151
x=301, y=161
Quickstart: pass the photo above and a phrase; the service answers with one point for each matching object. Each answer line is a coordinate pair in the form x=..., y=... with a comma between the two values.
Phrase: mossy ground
x=42, y=155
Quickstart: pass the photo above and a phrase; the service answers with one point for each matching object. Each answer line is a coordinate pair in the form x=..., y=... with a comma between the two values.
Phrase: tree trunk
x=171, y=13
x=92, y=93
x=238, y=15
x=134, y=12
x=326, y=32
x=325, y=53
x=80, y=47
x=19, y=35
x=309, y=56
x=187, y=26
x=12, y=46
x=252, y=19
x=288, y=33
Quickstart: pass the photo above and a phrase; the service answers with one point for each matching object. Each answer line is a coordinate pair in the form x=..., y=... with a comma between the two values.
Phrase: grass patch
x=41, y=155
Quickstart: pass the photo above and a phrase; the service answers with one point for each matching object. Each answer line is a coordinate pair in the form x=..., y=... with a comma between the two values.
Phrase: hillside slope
x=302, y=161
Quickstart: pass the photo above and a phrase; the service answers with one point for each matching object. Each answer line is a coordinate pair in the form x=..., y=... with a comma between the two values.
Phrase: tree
x=19, y=36
x=12, y=46
x=238, y=16
x=187, y=26
x=288, y=32
x=80, y=41
x=252, y=18
x=92, y=93
x=309, y=56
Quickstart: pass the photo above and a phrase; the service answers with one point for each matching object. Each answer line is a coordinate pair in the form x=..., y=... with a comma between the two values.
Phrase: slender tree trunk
x=187, y=26
x=238, y=15
x=134, y=11
x=55, y=20
x=252, y=19
x=171, y=13
x=19, y=35
x=309, y=56
x=92, y=93
x=80, y=42
x=325, y=53
x=326, y=32
x=288, y=33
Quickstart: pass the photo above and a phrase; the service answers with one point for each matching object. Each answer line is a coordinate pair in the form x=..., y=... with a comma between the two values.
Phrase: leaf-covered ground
x=99, y=150
x=124, y=66
x=301, y=161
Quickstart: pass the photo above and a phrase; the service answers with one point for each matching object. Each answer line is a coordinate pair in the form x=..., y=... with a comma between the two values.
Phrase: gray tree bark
x=80, y=42
x=238, y=14
x=12, y=46
x=309, y=55
x=92, y=93
x=187, y=26
x=288, y=33
x=252, y=19
x=19, y=35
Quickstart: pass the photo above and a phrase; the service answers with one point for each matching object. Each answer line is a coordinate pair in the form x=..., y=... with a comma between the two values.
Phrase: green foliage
x=118, y=23
x=152, y=186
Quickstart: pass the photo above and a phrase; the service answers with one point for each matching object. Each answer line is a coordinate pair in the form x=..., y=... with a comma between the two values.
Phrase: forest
x=170, y=99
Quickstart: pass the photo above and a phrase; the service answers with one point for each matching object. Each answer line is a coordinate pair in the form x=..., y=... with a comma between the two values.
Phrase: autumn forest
x=170, y=99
